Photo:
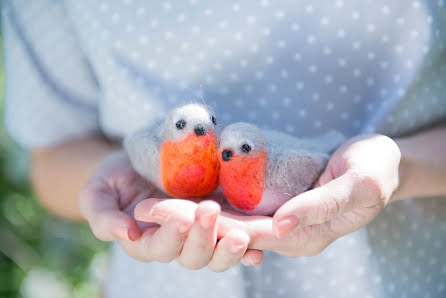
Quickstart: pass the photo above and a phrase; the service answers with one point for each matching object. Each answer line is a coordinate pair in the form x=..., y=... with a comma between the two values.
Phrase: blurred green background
x=40, y=255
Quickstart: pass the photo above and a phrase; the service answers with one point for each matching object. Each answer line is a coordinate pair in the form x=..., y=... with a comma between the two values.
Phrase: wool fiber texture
x=189, y=168
x=290, y=166
x=178, y=155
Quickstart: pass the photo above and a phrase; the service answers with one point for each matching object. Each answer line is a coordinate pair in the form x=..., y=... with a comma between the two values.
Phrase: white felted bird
x=261, y=170
x=179, y=155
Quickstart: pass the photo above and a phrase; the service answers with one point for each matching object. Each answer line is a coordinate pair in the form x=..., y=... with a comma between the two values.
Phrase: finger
x=167, y=242
x=252, y=257
x=138, y=249
x=101, y=209
x=200, y=244
x=230, y=250
x=321, y=204
x=259, y=229
x=96, y=197
x=326, y=176
x=160, y=210
x=112, y=225
x=176, y=218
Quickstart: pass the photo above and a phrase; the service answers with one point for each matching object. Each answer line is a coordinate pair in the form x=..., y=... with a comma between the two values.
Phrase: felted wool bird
x=261, y=170
x=179, y=154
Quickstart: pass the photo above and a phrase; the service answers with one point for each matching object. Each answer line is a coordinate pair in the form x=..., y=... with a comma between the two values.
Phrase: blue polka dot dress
x=75, y=68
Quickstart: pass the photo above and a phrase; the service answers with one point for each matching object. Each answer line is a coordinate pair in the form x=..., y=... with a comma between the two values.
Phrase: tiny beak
x=200, y=130
x=226, y=155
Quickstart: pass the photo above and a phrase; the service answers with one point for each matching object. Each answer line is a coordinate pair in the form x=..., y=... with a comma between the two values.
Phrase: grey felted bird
x=262, y=169
x=179, y=155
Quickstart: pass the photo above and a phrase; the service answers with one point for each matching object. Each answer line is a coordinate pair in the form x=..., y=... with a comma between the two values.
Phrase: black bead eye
x=214, y=120
x=181, y=124
x=226, y=155
x=246, y=148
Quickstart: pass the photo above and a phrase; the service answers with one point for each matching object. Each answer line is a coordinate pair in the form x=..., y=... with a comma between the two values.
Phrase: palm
x=355, y=186
x=110, y=196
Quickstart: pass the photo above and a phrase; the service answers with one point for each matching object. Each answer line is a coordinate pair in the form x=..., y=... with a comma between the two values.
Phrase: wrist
x=422, y=170
x=405, y=186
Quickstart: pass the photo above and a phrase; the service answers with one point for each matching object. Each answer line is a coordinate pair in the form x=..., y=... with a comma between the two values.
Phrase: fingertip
x=126, y=229
x=143, y=209
x=133, y=232
x=284, y=225
x=245, y=262
x=208, y=206
x=122, y=233
x=253, y=257
x=257, y=258
x=207, y=213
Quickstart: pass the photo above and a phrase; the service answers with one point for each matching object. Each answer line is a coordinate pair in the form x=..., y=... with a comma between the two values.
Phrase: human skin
x=109, y=191
x=362, y=177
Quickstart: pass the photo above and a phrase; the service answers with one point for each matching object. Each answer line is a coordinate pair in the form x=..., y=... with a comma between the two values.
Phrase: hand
x=108, y=201
x=355, y=186
x=200, y=247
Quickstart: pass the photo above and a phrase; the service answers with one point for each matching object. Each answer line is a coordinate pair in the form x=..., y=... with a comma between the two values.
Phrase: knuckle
x=373, y=186
x=194, y=266
x=315, y=250
x=165, y=259
x=139, y=258
x=134, y=253
x=218, y=269
x=97, y=227
x=330, y=208
x=99, y=234
x=356, y=177
x=189, y=222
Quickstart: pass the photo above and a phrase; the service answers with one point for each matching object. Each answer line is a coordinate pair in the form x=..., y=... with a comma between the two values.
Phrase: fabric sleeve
x=424, y=103
x=51, y=92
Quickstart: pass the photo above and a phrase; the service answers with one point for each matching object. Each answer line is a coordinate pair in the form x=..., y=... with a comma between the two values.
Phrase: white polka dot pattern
x=298, y=66
x=334, y=61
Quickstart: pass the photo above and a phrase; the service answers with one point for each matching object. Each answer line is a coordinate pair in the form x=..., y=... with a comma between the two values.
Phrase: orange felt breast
x=241, y=180
x=189, y=168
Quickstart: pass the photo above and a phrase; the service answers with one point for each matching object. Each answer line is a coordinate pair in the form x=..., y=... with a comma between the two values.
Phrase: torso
x=301, y=68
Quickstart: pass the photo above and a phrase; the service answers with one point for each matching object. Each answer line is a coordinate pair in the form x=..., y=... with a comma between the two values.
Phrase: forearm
x=423, y=165
x=59, y=173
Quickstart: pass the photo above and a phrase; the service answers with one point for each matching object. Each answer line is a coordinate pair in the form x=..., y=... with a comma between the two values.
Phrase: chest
x=289, y=65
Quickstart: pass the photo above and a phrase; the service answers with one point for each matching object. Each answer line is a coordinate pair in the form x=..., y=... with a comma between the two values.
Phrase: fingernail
x=134, y=235
x=245, y=262
x=159, y=215
x=142, y=217
x=250, y=262
x=207, y=220
x=122, y=233
x=285, y=225
x=183, y=228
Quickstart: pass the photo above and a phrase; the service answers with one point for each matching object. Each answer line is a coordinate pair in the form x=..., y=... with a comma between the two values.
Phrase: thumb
x=100, y=207
x=319, y=205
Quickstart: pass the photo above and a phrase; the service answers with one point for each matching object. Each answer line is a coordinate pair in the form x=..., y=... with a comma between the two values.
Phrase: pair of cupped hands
x=356, y=185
